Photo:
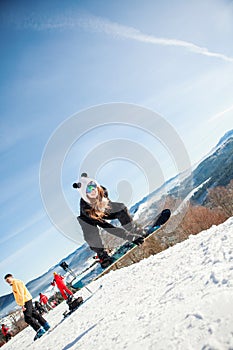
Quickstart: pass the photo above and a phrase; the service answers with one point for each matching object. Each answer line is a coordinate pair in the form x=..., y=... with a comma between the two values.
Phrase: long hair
x=99, y=205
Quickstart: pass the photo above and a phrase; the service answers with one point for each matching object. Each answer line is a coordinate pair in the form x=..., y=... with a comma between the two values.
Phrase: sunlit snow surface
x=182, y=298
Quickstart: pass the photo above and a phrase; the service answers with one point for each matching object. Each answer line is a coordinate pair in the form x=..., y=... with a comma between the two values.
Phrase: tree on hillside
x=222, y=198
x=197, y=219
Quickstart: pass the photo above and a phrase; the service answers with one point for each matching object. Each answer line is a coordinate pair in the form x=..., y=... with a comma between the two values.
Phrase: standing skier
x=24, y=299
x=58, y=280
x=95, y=208
x=45, y=301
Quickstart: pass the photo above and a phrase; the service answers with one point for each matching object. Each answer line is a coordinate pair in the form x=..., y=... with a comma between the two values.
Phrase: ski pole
x=88, y=290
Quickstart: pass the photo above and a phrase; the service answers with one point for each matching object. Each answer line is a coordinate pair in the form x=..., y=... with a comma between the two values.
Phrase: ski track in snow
x=181, y=298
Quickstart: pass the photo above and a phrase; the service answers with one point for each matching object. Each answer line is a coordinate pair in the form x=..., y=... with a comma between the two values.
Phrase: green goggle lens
x=90, y=188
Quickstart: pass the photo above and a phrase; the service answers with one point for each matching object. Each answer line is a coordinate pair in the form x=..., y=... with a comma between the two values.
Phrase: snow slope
x=181, y=298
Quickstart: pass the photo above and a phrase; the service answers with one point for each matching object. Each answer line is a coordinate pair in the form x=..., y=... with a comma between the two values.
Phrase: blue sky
x=59, y=58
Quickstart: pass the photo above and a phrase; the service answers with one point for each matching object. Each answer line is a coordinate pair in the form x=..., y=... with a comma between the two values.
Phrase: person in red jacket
x=6, y=333
x=45, y=301
x=58, y=280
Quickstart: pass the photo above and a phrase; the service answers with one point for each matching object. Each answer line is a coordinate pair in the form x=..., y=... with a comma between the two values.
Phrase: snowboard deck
x=130, y=257
x=128, y=253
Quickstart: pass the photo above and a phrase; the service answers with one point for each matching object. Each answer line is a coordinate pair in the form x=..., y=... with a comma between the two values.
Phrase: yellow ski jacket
x=20, y=292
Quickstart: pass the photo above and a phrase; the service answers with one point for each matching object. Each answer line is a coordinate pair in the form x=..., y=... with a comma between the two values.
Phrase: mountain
x=216, y=169
x=225, y=137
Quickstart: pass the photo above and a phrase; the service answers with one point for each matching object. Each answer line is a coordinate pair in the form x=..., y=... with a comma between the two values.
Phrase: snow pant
x=41, y=309
x=90, y=226
x=48, y=306
x=7, y=337
x=64, y=291
x=32, y=317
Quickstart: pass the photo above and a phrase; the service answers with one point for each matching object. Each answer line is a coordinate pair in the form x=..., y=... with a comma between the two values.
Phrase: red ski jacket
x=58, y=279
x=5, y=330
x=43, y=299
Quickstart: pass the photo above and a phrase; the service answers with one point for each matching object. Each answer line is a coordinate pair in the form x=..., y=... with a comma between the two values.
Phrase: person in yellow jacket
x=24, y=299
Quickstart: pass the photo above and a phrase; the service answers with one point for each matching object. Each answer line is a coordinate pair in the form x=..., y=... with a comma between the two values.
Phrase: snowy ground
x=181, y=298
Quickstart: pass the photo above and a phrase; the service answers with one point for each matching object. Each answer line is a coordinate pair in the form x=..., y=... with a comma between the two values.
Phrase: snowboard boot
x=138, y=240
x=105, y=259
x=70, y=298
x=39, y=333
x=69, y=301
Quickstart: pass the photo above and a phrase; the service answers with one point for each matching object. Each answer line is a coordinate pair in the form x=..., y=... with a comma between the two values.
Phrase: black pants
x=91, y=231
x=32, y=317
x=7, y=337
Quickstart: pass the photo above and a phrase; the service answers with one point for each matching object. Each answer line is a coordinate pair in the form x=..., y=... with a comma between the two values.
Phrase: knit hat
x=81, y=186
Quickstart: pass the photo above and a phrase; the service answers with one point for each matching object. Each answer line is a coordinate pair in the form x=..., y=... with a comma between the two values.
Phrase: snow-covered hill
x=182, y=298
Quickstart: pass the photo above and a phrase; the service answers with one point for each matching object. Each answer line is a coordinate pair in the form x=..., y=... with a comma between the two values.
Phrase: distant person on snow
x=45, y=301
x=40, y=308
x=59, y=281
x=24, y=299
x=95, y=208
x=5, y=331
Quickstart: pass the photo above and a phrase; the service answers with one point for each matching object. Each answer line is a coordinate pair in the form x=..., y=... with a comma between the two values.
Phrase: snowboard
x=95, y=270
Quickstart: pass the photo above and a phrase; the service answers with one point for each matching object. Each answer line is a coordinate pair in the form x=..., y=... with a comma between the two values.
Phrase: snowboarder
x=58, y=280
x=5, y=331
x=45, y=301
x=24, y=299
x=95, y=208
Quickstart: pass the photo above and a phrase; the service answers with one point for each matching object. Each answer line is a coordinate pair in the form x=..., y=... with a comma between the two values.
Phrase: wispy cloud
x=102, y=25
x=221, y=114
x=119, y=30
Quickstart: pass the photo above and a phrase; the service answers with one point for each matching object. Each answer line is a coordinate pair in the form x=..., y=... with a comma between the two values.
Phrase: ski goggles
x=91, y=186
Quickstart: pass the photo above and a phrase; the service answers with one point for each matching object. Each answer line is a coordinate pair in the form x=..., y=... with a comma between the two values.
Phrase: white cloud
x=102, y=25
x=221, y=114
x=116, y=29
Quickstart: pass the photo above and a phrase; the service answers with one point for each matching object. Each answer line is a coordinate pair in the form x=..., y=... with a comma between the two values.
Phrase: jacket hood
x=81, y=186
